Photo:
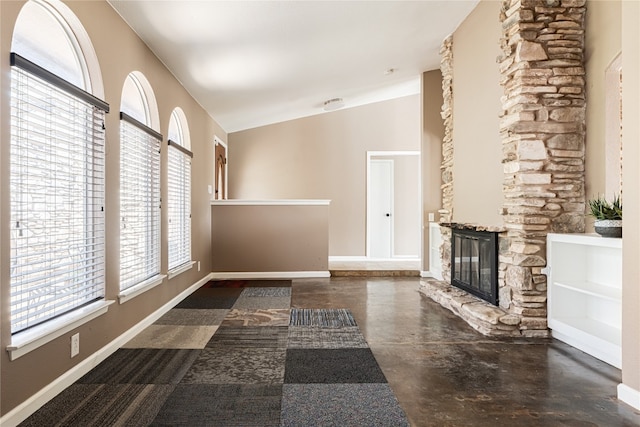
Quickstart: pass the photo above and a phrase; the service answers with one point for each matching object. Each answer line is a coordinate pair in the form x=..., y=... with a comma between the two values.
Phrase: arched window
x=57, y=169
x=179, y=193
x=139, y=188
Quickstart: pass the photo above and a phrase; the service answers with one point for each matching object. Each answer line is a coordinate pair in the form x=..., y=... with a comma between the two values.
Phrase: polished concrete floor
x=446, y=374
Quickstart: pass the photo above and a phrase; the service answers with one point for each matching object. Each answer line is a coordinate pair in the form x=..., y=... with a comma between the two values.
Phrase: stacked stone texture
x=446, y=213
x=543, y=132
x=446, y=68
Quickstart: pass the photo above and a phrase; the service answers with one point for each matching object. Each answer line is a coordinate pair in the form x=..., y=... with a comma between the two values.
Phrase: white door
x=381, y=208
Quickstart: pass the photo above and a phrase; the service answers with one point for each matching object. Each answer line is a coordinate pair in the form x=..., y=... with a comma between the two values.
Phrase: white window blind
x=139, y=202
x=179, y=205
x=56, y=196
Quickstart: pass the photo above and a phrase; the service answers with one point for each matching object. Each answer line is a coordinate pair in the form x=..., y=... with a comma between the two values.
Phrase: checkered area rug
x=235, y=354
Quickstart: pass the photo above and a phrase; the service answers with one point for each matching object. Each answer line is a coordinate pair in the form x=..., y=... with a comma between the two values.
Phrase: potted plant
x=608, y=216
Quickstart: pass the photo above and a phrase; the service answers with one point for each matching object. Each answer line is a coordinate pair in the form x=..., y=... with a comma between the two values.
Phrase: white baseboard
x=398, y=258
x=629, y=396
x=239, y=275
x=35, y=402
x=345, y=258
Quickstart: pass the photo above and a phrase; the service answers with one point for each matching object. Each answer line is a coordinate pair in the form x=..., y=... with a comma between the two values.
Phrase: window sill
x=140, y=288
x=180, y=269
x=29, y=340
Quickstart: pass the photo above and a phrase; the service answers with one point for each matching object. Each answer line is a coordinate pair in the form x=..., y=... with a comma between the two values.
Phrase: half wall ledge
x=270, y=237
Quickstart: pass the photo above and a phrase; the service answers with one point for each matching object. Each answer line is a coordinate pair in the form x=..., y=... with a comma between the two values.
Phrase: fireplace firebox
x=474, y=263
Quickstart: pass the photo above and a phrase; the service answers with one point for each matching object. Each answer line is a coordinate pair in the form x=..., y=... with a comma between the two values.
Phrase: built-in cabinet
x=585, y=293
x=435, y=240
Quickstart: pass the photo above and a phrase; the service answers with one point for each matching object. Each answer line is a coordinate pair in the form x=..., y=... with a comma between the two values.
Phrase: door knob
x=388, y=214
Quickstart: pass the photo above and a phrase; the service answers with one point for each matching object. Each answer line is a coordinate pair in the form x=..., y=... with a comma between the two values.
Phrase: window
x=56, y=175
x=179, y=193
x=139, y=188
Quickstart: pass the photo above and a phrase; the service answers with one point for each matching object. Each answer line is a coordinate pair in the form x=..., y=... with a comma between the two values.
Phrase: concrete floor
x=446, y=374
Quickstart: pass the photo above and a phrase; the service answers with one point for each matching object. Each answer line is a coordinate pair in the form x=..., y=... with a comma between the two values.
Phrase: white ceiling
x=252, y=63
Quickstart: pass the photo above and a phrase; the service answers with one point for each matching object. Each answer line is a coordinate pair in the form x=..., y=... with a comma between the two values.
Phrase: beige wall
x=270, y=237
x=323, y=157
x=431, y=153
x=601, y=48
x=477, y=169
x=631, y=191
x=119, y=52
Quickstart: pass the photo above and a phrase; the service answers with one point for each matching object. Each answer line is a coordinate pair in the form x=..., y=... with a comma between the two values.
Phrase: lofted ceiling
x=252, y=63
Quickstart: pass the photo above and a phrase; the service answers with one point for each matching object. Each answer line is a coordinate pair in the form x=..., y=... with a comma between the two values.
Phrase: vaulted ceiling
x=252, y=63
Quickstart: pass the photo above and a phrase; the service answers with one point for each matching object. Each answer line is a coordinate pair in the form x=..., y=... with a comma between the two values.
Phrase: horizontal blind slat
x=179, y=206
x=57, y=198
x=139, y=205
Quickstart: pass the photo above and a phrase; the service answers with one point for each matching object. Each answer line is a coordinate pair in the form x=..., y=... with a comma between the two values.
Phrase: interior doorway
x=220, y=170
x=381, y=208
x=394, y=205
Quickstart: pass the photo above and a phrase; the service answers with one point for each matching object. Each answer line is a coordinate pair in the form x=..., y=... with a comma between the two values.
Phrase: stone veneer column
x=543, y=133
x=446, y=213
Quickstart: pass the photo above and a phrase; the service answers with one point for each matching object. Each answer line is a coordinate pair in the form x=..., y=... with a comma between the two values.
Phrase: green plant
x=601, y=208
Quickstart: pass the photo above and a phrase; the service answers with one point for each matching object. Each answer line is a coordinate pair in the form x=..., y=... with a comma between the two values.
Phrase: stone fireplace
x=542, y=134
x=474, y=262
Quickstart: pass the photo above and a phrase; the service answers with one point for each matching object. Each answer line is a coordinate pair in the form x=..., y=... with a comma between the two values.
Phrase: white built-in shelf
x=593, y=289
x=585, y=293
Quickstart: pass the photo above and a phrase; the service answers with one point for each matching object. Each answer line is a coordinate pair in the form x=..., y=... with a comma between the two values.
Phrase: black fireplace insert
x=474, y=263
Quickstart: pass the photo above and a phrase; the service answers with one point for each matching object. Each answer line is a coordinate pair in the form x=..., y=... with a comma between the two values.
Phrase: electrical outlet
x=75, y=344
x=432, y=217
x=198, y=265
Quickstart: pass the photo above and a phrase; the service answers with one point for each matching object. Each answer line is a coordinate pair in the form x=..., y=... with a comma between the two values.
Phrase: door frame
x=371, y=155
x=218, y=141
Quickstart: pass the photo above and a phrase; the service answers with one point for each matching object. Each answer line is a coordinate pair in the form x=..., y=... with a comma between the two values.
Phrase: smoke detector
x=333, y=104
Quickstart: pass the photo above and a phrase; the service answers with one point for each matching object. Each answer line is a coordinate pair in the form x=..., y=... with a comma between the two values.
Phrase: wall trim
x=35, y=402
x=221, y=275
x=359, y=258
x=629, y=396
x=349, y=258
x=274, y=202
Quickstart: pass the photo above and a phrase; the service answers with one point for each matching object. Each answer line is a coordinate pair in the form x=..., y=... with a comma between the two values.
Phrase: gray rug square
x=204, y=301
x=193, y=317
x=100, y=405
x=332, y=366
x=172, y=336
x=221, y=405
x=322, y=317
x=142, y=366
x=266, y=292
x=256, y=317
x=237, y=366
x=249, y=337
x=250, y=302
x=309, y=337
x=368, y=405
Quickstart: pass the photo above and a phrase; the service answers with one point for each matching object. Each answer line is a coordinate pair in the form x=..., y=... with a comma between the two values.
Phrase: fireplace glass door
x=474, y=263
